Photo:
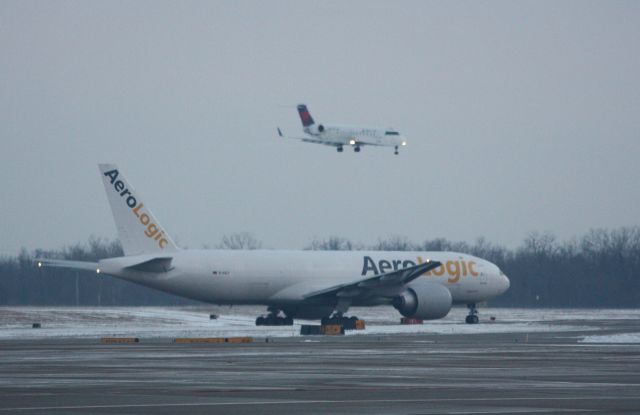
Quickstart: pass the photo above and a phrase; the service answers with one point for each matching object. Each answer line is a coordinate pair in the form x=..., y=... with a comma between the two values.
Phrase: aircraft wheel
x=349, y=323
x=356, y=149
x=340, y=149
x=332, y=320
x=473, y=319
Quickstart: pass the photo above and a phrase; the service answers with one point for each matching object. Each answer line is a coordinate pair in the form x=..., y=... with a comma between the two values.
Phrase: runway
x=551, y=371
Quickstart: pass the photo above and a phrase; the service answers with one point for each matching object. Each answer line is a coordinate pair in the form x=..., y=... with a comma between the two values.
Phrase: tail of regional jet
x=139, y=231
x=305, y=116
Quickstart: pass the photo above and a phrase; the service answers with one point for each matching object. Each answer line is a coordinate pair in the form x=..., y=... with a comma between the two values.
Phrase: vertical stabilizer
x=138, y=229
x=305, y=116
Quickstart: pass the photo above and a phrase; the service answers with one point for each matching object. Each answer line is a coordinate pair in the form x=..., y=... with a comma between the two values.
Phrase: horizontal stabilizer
x=62, y=263
x=158, y=264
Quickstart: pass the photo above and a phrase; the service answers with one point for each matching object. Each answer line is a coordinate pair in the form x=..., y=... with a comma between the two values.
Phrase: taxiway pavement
x=541, y=372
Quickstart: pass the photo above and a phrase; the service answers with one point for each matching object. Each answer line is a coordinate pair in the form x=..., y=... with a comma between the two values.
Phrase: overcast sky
x=520, y=116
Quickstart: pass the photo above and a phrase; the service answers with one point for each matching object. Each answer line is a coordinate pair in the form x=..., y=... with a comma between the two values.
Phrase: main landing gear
x=273, y=319
x=396, y=152
x=340, y=149
x=338, y=318
x=356, y=149
x=472, y=318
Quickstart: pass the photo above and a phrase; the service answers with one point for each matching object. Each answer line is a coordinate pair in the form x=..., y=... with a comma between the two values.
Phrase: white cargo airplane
x=346, y=135
x=299, y=284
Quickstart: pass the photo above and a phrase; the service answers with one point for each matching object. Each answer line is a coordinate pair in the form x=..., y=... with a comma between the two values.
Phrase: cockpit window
x=391, y=133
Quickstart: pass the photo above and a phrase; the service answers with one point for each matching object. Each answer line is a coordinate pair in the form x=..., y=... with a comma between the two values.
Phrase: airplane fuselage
x=301, y=284
x=334, y=134
x=269, y=277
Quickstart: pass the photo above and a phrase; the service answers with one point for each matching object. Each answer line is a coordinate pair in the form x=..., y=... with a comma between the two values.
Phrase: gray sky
x=521, y=117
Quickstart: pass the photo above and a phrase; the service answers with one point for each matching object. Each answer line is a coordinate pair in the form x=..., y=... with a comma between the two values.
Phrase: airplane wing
x=367, y=141
x=309, y=139
x=390, y=281
x=295, y=138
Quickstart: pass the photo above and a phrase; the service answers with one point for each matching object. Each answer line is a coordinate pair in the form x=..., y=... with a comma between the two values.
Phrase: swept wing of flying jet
x=292, y=284
x=339, y=136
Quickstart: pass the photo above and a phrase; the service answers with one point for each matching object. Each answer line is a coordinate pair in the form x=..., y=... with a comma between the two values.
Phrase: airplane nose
x=505, y=283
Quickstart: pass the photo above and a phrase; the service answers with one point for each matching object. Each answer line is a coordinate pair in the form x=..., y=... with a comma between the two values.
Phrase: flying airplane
x=292, y=284
x=346, y=135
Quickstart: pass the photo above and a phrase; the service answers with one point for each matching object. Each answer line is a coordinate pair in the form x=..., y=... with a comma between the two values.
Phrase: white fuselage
x=270, y=277
x=302, y=284
x=335, y=134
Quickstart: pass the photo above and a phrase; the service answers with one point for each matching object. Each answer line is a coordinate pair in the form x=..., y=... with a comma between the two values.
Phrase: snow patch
x=612, y=338
x=171, y=322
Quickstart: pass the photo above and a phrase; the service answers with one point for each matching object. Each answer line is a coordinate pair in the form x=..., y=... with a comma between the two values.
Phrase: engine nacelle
x=314, y=129
x=425, y=301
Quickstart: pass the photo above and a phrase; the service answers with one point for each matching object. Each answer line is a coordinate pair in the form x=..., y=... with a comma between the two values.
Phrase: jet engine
x=314, y=129
x=425, y=301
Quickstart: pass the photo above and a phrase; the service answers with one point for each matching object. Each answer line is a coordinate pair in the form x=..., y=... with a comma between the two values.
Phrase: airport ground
x=420, y=373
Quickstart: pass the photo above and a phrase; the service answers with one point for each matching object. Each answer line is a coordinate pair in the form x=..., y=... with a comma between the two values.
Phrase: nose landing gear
x=472, y=318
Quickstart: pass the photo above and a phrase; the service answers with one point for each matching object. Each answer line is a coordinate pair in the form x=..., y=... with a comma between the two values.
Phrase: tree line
x=599, y=269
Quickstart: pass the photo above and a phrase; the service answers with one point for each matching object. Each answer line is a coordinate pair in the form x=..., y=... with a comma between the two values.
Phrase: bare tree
x=241, y=240
x=334, y=243
x=394, y=243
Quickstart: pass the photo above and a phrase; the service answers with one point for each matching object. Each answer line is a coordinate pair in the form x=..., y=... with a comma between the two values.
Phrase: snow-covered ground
x=612, y=338
x=168, y=322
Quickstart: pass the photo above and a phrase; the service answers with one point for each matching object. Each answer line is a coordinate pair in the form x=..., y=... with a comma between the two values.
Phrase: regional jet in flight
x=291, y=284
x=340, y=136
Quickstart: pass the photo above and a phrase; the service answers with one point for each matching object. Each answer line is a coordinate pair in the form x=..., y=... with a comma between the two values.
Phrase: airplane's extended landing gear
x=273, y=319
x=396, y=152
x=340, y=149
x=356, y=149
x=338, y=318
x=472, y=318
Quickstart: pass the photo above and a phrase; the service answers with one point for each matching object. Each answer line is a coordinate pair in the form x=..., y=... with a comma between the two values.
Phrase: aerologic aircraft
x=292, y=284
x=340, y=136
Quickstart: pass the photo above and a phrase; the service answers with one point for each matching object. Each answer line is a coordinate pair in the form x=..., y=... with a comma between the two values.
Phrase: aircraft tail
x=138, y=230
x=305, y=116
